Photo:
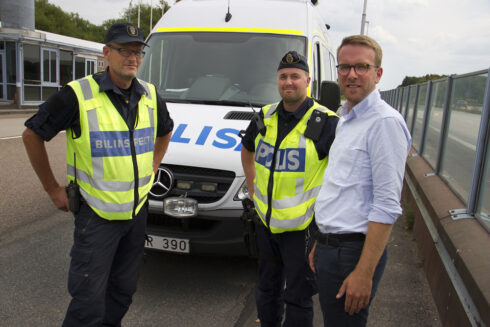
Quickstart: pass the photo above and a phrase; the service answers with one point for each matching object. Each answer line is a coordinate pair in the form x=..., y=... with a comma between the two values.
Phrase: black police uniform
x=106, y=255
x=286, y=254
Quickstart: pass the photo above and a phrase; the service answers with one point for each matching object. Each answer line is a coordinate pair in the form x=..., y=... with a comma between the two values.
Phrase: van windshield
x=217, y=68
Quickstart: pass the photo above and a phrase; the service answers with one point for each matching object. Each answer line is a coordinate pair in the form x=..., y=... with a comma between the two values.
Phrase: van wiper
x=217, y=102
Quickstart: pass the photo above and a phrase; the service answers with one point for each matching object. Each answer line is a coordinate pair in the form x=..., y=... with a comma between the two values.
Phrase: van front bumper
x=214, y=232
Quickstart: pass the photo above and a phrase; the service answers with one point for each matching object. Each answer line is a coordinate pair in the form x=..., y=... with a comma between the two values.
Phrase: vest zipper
x=270, y=187
x=136, y=176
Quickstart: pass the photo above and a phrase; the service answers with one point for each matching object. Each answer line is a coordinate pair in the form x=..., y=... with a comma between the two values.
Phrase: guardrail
x=449, y=122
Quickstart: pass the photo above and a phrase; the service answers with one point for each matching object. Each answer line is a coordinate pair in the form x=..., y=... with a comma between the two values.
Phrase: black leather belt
x=336, y=239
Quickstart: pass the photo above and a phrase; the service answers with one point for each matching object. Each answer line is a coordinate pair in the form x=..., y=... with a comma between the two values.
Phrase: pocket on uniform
x=78, y=277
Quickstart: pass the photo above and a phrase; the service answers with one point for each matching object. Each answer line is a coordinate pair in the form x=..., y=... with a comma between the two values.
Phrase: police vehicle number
x=167, y=244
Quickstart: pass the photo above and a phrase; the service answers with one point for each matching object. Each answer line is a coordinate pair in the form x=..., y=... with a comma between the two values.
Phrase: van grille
x=196, y=177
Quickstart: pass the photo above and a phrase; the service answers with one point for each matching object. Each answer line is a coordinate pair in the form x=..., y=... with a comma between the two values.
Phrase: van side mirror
x=330, y=95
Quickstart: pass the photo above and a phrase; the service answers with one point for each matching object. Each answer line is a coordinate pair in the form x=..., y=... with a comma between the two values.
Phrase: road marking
x=10, y=137
x=19, y=136
x=454, y=138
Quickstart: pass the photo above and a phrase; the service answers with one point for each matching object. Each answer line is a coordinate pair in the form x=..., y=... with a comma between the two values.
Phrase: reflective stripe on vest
x=297, y=174
x=105, y=161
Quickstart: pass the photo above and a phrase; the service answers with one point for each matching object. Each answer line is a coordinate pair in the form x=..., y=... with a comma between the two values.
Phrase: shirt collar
x=299, y=113
x=106, y=83
x=361, y=108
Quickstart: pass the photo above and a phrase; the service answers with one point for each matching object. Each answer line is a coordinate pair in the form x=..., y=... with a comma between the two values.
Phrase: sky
x=418, y=37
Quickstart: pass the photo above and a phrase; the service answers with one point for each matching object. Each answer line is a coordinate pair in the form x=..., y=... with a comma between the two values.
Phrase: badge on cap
x=132, y=31
x=289, y=58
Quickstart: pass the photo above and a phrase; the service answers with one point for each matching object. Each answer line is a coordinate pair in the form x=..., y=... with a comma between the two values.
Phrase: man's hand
x=357, y=290
x=59, y=198
x=311, y=257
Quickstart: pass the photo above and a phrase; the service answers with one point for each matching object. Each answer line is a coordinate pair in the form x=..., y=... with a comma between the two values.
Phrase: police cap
x=292, y=59
x=124, y=33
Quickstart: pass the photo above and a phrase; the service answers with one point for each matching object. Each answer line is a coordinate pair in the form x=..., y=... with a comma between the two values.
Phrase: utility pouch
x=73, y=194
x=259, y=122
x=315, y=125
x=249, y=219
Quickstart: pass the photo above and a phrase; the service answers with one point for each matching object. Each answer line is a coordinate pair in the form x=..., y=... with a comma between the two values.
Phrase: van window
x=327, y=67
x=215, y=67
x=316, y=68
x=333, y=67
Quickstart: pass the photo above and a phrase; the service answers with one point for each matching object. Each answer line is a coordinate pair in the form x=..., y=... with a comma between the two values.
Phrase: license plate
x=169, y=244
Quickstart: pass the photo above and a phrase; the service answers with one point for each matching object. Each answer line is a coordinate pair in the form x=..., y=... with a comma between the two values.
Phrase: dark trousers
x=283, y=260
x=105, y=265
x=333, y=264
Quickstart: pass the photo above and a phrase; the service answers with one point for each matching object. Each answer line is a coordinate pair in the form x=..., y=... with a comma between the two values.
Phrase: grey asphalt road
x=174, y=290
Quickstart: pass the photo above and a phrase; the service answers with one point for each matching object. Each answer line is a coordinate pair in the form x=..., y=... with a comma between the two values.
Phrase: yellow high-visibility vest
x=297, y=173
x=114, y=165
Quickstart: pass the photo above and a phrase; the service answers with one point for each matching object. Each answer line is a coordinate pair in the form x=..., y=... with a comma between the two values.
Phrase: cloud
x=383, y=36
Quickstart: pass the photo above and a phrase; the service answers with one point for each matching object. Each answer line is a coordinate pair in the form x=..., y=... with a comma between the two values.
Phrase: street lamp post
x=363, y=21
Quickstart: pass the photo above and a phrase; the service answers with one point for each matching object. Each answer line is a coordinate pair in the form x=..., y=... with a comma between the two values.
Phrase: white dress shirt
x=364, y=176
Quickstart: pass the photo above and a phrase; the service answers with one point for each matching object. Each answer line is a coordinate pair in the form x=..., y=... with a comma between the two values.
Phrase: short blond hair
x=363, y=40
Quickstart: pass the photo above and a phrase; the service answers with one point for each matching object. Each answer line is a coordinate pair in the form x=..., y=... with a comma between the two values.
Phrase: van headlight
x=242, y=193
x=180, y=207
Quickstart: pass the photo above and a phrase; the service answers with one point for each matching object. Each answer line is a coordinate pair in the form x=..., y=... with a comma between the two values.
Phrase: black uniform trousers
x=105, y=266
x=285, y=279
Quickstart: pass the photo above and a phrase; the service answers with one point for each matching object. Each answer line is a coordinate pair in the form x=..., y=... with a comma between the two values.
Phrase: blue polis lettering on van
x=226, y=138
x=116, y=143
x=291, y=160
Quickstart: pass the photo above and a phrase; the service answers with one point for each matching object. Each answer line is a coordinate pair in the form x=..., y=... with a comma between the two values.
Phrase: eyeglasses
x=127, y=52
x=361, y=69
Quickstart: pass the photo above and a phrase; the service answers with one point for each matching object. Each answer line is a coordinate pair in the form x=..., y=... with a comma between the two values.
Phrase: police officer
x=117, y=129
x=284, y=155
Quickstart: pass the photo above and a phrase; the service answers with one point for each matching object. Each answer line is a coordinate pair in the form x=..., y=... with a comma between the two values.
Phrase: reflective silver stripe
x=86, y=89
x=105, y=206
x=146, y=87
x=302, y=142
x=97, y=162
x=93, y=120
x=290, y=202
x=261, y=214
x=287, y=223
x=259, y=194
x=105, y=185
x=292, y=223
x=271, y=110
x=150, y=114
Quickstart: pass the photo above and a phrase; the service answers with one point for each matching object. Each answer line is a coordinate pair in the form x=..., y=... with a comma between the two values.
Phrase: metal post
x=363, y=21
x=139, y=10
x=482, y=157
x=151, y=14
x=407, y=104
x=446, y=117
x=19, y=73
x=425, y=122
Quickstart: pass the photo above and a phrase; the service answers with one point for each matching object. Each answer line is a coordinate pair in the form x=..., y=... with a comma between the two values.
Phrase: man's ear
x=379, y=73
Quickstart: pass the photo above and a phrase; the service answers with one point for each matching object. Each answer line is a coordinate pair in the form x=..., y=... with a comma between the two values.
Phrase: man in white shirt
x=360, y=197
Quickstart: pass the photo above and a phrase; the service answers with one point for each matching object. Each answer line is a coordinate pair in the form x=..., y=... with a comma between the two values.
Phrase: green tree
x=51, y=18
x=411, y=80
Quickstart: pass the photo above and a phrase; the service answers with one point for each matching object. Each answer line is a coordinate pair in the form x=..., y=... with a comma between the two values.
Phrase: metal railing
x=449, y=122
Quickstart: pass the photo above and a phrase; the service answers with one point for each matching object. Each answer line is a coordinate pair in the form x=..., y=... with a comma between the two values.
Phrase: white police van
x=215, y=62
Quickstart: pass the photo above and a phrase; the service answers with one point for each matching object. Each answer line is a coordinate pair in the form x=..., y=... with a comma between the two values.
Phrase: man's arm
x=36, y=151
x=358, y=284
x=249, y=169
x=161, y=145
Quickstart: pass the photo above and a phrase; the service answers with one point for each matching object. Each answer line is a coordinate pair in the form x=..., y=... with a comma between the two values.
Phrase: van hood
x=203, y=137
